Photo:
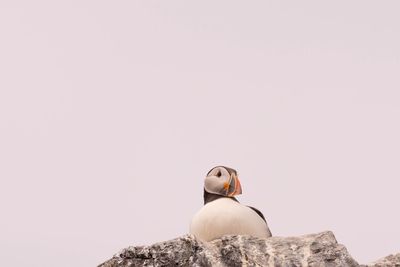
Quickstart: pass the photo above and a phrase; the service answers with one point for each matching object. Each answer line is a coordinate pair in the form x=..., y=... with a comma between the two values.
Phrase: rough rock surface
x=319, y=249
x=391, y=260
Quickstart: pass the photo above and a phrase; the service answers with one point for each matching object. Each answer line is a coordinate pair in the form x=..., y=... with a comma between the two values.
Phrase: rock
x=319, y=249
x=391, y=260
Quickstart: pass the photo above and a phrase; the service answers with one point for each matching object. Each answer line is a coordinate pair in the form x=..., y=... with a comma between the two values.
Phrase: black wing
x=262, y=216
x=258, y=212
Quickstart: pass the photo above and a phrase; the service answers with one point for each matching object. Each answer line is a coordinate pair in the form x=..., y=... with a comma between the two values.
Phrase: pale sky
x=112, y=112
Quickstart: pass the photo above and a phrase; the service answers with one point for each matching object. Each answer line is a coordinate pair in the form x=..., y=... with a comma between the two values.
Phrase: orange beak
x=234, y=186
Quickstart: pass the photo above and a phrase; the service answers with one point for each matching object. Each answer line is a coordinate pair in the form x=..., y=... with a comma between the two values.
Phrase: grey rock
x=391, y=260
x=319, y=249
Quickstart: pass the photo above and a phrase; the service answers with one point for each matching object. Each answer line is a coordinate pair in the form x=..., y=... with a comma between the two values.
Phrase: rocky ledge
x=319, y=249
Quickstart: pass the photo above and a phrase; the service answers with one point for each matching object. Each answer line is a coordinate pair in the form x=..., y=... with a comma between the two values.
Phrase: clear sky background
x=112, y=112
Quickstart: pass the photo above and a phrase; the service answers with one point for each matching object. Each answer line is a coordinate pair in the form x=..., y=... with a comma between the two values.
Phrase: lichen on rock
x=319, y=249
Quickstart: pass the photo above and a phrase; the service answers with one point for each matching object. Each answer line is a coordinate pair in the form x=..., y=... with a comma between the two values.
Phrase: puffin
x=222, y=214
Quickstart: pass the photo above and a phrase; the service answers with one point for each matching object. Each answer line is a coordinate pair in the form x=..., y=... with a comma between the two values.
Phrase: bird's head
x=222, y=181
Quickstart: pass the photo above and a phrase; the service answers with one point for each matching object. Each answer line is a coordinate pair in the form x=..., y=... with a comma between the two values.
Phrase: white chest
x=227, y=217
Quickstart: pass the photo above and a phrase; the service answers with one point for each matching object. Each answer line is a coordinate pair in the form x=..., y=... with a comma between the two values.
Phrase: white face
x=219, y=181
